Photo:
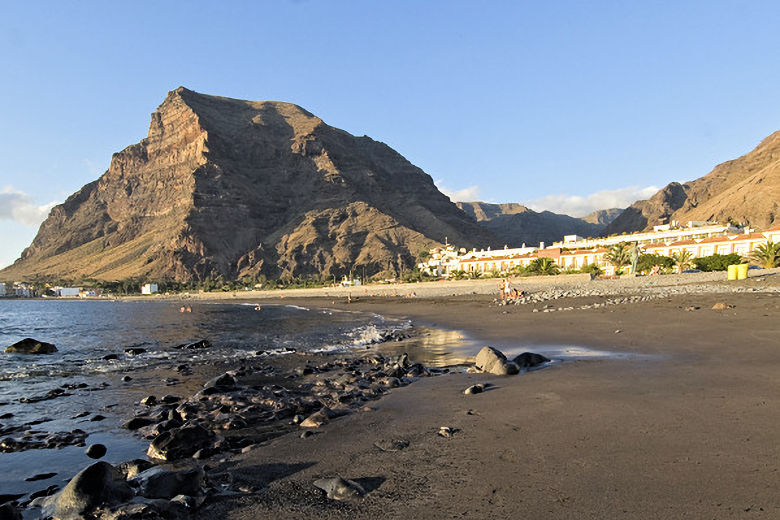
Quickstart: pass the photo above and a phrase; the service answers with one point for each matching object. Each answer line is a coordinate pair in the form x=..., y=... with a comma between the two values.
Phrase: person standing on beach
x=506, y=289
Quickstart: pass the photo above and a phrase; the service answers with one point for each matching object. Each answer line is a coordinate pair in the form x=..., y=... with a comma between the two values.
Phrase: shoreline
x=280, y=478
x=688, y=431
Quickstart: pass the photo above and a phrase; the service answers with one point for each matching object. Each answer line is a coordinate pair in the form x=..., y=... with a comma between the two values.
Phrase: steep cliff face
x=746, y=189
x=230, y=187
x=516, y=224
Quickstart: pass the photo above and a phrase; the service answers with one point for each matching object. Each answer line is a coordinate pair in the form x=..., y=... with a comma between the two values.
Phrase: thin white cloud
x=469, y=194
x=18, y=206
x=579, y=206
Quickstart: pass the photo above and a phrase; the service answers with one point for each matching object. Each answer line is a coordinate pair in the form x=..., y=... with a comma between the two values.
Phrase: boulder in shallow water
x=494, y=361
x=31, y=346
x=337, y=488
x=100, y=484
x=95, y=451
x=530, y=360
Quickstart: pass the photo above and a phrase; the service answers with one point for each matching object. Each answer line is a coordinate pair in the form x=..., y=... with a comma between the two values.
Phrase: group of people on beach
x=507, y=292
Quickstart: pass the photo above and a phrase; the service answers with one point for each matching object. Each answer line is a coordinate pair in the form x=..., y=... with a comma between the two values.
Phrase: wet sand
x=685, y=426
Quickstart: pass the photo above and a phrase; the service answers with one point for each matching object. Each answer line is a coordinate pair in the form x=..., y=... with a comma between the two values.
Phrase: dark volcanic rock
x=9, y=512
x=95, y=451
x=233, y=188
x=31, y=346
x=96, y=485
x=179, y=443
x=530, y=360
x=161, y=483
x=337, y=488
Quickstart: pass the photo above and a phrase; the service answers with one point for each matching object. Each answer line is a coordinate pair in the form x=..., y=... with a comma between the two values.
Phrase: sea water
x=85, y=332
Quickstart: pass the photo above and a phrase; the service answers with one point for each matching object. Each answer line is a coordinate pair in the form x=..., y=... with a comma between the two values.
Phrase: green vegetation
x=716, y=262
x=682, y=260
x=618, y=255
x=647, y=262
x=767, y=255
x=593, y=269
x=544, y=266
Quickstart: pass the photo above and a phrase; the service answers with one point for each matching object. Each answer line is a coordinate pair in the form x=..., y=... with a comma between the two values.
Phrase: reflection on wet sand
x=435, y=347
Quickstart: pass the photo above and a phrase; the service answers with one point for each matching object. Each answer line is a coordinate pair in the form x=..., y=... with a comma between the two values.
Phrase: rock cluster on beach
x=225, y=414
x=641, y=290
x=229, y=415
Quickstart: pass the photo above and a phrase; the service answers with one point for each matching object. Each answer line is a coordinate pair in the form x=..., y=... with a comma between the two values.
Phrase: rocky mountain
x=516, y=224
x=746, y=189
x=229, y=187
x=603, y=217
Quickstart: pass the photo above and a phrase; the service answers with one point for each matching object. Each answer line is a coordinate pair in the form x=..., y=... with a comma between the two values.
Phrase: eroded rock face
x=31, y=346
x=230, y=187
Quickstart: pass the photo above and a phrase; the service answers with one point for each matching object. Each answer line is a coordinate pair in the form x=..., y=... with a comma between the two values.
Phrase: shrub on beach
x=647, y=261
x=593, y=269
x=716, y=262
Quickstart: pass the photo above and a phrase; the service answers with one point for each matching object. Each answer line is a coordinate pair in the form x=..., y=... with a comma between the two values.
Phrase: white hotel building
x=698, y=238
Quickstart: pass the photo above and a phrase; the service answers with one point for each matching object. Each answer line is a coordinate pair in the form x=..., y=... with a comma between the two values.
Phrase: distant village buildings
x=149, y=288
x=2, y=289
x=699, y=239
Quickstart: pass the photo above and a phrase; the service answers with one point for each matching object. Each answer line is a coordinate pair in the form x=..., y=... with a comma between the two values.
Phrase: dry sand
x=689, y=429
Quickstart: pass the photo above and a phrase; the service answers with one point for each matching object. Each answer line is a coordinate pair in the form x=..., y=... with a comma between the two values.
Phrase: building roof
x=683, y=243
x=720, y=238
x=751, y=236
x=773, y=228
x=654, y=246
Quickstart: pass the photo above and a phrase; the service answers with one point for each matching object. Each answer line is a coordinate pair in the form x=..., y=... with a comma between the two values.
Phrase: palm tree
x=544, y=266
x=767, y=255
x=618, y=255
x=682, y=259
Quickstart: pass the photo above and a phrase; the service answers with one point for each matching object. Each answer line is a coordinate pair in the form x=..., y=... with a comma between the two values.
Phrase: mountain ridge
x=228, y=187
x=517, y=224
x=745, y=189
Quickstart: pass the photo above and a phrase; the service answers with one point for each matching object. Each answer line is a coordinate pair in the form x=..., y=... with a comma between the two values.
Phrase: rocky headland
x=233, y=188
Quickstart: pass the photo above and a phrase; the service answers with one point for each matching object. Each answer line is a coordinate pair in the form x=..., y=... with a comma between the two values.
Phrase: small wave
x=366, y=335
x=297, y=307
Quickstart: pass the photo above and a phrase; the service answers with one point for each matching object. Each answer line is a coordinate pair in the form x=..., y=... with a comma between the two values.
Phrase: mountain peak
x=228, y=187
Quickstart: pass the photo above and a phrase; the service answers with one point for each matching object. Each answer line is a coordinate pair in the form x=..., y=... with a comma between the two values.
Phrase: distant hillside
x=603, y=217
x=516, y=224
x=746, y=189
x=227, y=187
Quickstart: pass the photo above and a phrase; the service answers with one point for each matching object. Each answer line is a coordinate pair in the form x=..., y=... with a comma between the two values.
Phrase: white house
x=67, y=292
x=149, y=288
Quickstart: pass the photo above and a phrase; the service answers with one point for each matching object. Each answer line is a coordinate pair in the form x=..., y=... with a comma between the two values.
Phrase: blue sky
x=567, y=106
